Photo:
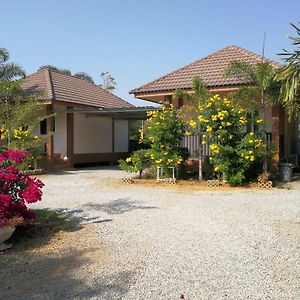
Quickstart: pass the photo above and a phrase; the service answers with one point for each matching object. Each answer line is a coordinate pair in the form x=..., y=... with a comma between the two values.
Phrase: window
x=43, y=127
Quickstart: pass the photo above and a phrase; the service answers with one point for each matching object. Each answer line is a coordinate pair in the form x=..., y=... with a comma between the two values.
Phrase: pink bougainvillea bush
x=16, y=188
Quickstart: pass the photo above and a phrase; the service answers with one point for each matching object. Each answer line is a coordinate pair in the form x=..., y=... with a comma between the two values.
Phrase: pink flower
x=16, y=188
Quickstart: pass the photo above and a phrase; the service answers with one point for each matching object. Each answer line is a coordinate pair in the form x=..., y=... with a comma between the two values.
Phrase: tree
x=262, y=91
x=198, y=97
x=9, y=71
x=109, y=82
x=17, y=110
x=81, y=75
x=85, y=76
x=53, y=68
x=289, y=76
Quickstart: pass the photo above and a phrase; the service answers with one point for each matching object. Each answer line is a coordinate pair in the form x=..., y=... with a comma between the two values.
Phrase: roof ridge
x=181, y=68
x=50, y=82
x=93, y=84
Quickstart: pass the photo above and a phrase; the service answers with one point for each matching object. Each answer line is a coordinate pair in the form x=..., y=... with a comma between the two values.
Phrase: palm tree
x=9, y=71
x=262, y=90
x=199, y=96
x=290, y=77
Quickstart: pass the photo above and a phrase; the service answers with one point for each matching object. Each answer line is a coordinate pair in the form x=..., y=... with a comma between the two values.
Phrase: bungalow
x=89, y=125
x=211, y=68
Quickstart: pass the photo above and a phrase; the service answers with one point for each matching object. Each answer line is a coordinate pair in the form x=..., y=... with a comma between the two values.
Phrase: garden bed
x=190, y=185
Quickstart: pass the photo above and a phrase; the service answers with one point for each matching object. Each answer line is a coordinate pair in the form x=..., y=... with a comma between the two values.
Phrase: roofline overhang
x=188, y=90
x=116, y=113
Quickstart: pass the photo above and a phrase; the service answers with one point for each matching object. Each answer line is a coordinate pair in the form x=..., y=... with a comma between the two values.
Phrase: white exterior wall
x=92, y=134
x=60, y=135
x=36, y=130
x=121, y=135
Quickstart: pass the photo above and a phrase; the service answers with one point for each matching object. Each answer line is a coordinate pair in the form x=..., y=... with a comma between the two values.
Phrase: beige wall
x=92, y=134
x=121, y=136
x=60, y=135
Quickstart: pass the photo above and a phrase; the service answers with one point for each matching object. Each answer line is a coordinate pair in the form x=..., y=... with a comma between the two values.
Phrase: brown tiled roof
x=211, y=68
x=66, y=88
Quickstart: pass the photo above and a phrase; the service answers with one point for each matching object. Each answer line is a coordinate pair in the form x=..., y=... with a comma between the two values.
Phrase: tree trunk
x=200, y=157
x=263, y=108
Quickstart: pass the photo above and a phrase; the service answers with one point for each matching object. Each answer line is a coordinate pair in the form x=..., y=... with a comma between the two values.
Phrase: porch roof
x=134, y=113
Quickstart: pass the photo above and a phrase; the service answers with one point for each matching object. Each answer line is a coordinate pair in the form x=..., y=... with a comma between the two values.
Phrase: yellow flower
x=251, y=141
x=214, y=148
x=243, y=120
x=193, y=123
x=259, y=121
x=188, y=133
x=251, y=133
x=217, y=168
x=252, y=158
x=128, y=159
x=228, y=124
x=214, y=117
x=204, y=136
x=208, y=129
x=204, y=142
x=202, y=119
x=159, y=161
x=210, y=158
x=170, y=160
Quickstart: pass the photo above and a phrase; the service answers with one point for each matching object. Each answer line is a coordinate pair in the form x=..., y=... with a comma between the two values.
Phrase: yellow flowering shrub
x=236, y=153
x=162, y=134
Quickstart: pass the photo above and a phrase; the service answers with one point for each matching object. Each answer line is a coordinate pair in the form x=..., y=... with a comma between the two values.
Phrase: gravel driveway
x=166, y=243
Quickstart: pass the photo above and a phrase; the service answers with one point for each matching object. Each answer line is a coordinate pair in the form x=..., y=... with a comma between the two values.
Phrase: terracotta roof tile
x=211, y=68
x=66, y=88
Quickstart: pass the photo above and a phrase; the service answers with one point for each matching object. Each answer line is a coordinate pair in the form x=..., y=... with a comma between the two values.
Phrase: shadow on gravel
x=39, y=232
x=64, y=276
x=118, y=206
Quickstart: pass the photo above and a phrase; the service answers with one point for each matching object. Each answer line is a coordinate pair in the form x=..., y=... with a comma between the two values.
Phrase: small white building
x=89, y=124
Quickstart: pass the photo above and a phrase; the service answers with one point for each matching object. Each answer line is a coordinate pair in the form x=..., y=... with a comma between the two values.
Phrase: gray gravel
x=165, y=242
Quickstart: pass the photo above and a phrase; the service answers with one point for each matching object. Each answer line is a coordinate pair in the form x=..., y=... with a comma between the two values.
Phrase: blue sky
x=138, y=41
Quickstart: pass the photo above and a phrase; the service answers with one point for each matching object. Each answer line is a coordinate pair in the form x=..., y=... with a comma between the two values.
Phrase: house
x=89, y=124
x=211, y=68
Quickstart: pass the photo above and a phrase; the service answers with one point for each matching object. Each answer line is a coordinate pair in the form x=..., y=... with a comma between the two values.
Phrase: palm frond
x=4, y=55
x=240, y=70
x=9, y=71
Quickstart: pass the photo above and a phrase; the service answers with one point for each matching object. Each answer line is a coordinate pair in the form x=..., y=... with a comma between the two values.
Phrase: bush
x=16, y=188
x=235, y=150
x=162, y=134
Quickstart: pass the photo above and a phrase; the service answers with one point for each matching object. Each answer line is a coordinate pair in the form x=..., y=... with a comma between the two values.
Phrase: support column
x=70, y=137
x=275, y=134
x=113, y=138
x=50, y=140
